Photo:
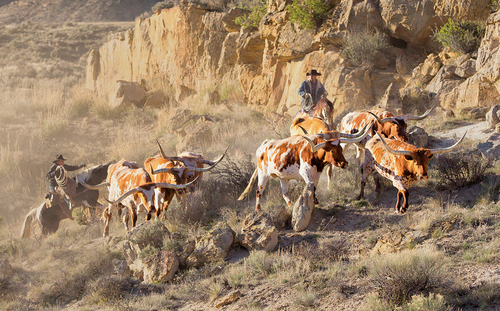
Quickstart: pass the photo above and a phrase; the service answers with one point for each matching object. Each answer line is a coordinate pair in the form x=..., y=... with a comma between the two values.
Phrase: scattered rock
x=228, y=299
x=160, y=267
x=156, y=100
x=211, y=98
x=403, y=65
x=478, y=113
x=258, y=232
x=213, y=246
x=302, y=209
x=490, y=148
x=187, y=249
x=280, y=216
x=417, y=136
x=391, y=99
x=121, y=269
x=394, y=241
x=127, y=93
x=466, y=69
x=492, y=116
x=431, y=66
x=134, y=244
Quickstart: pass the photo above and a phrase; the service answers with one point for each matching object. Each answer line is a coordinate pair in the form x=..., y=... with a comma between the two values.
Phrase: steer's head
x=334, y=153
x=418, y=158
x=392, y=127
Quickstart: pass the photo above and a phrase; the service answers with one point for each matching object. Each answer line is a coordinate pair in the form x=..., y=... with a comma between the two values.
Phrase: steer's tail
x=249, y=187
x=26, y=230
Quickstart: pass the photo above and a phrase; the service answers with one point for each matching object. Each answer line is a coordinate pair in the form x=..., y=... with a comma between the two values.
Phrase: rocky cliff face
x=194, y=49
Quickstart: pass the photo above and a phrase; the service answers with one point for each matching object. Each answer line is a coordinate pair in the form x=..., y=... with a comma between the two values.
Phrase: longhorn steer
x=384, y=122
x=399, y=162
x=130, y=186
x=193, y=161
x=311, y=125
x=293, y=158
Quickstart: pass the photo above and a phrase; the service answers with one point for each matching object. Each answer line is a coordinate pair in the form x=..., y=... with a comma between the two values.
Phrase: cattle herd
x=314, y=145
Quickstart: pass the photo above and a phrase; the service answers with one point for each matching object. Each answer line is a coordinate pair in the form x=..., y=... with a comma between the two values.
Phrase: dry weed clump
x=397, y=277
x=323, y=253
x=457, y=170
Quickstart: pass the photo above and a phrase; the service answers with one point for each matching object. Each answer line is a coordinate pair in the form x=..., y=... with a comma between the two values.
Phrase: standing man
x=311, y=91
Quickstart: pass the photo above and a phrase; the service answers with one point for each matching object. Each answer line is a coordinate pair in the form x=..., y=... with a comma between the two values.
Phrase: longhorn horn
x=395, y=152
x=156, y=185
x=447, y=149
x=416, y=118
x=311, y=143
x=91, y=187
x=218, y=159
x=358, y=139
x=352, y=136
x=161, y=150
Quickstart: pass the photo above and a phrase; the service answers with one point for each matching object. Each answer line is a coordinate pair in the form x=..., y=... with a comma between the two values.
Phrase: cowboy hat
x=313, y=72
x=59, y=158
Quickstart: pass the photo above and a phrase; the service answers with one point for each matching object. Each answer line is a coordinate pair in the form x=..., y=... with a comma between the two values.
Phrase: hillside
x=60, y=11
x=203, y=84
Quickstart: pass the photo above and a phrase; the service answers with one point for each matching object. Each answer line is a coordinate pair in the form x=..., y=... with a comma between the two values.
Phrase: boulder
x=120, y=268
x=213, y=246
x=466, y=69
x=444, y=81
x=258, y=232
x=228, y=299
x=160, y=267
x=302, y=210
x=211, y=98
x=492, y=117
x=156, y=100
x=228, y=19
x=280, y=217
x=135, y=242
x=490, y=148
x=403, y=65
x=418, y=137
x=478, y=113
x=128, y=93
x=92, y=70
x=394, y=241
x=390, y=100
x=497, y=128
x=431, y=66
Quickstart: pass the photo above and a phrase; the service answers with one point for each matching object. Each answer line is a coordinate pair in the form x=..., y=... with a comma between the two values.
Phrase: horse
x=323, y=110
x=48, y=216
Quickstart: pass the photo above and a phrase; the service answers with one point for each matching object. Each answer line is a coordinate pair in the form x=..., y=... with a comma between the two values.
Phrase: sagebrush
x=363, y=48
x=462, y=36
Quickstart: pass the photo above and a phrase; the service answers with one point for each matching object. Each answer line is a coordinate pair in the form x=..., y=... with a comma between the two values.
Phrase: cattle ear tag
x=408, y=157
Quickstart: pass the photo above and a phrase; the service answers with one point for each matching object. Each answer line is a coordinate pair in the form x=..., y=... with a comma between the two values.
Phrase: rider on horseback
x=53, y=186
x=311, y=91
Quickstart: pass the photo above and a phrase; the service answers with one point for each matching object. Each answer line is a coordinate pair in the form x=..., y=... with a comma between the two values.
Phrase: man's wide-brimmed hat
x=59, y=158
x=313, y=72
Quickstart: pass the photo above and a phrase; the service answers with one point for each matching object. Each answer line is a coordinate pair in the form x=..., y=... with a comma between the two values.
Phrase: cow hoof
x=316, y=201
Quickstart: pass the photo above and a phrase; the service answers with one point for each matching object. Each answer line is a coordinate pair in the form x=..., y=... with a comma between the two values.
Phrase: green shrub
x=362, y=48
x=462, y=36
x=162, y=5
x=398, y=277
x=308, y=13
x=255, y=13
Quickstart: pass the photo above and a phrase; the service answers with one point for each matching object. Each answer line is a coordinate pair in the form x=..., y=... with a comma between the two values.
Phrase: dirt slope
x=57, y=11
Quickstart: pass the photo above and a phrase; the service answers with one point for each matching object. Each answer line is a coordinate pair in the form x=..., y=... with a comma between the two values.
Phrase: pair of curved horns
x=342, y=135
x=156, y=185
x=315, y=148
x=91, y=187
x=193, y=169
x=405, y=118
x=433, y=151
x=213, y=163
